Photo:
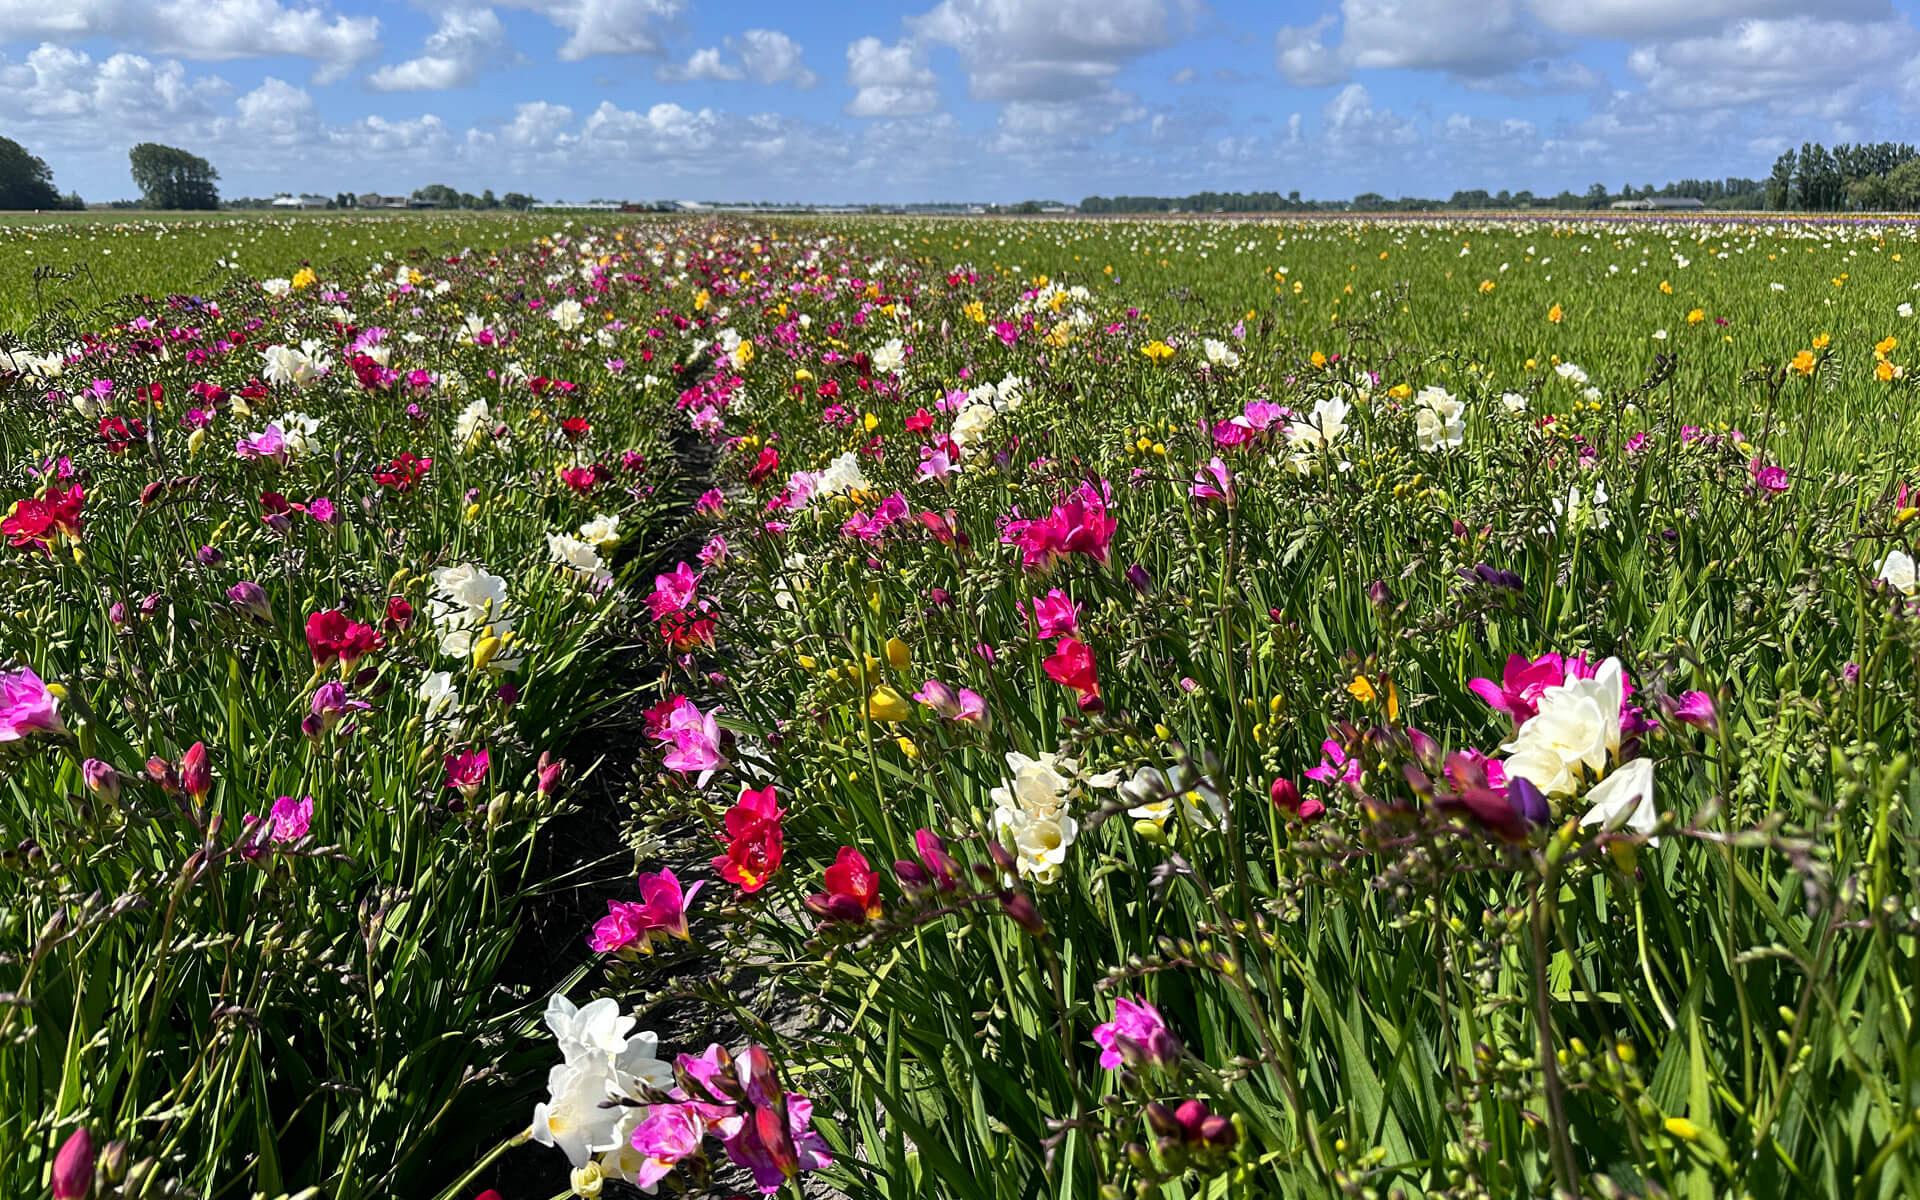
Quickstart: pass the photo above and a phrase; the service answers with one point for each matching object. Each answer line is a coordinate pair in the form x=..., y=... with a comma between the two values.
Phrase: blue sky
x=949, y=99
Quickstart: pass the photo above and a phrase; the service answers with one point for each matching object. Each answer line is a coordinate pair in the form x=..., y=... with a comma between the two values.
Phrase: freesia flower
x=1334, y=765
x=1897, y=571
x=1522, y=683
x=467, y=771
x=661, y=911
x=27, y=706
x=693, y=741
x=852, y=890
x=1137, y=1036
x=1574, y=731
x=1213, y=482
x=1624, y=800
x=754, y=840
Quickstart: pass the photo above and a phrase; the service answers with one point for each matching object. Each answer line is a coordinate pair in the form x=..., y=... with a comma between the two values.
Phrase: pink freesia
x=467, y=771
x=1055, y=615
x=674, y=591
x=270, y=443
x=670, y=1133
x=1335, y=766
x=1136, y=1036
x=26, y=706
x=778, y=1143
x=662, y=910
x=1079, y=524
x=1521, y=684
x=1213, y=482
x=1696, y=709
x=693, y=741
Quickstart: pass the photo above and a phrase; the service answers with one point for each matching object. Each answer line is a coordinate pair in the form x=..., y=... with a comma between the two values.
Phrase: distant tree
x=439, y=195
x=169, y=177
x=487, y=199
x=1523, y=199
x=1597, y=196
x=25, y=179
x=1780, y=183
x=518, y=202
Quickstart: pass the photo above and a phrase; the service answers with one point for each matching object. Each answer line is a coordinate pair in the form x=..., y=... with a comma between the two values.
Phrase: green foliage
x=171, y=178
x=26, y=182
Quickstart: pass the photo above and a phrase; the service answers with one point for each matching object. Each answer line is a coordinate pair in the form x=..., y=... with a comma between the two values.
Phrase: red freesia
x=853, y=890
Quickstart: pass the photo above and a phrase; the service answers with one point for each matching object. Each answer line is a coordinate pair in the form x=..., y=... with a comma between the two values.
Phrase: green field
x=982, y=709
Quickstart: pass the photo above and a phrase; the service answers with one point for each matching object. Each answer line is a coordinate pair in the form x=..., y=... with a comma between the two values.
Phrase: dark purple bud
x=209, y=556
x=1019, y=907
x=1527, y=800
x=1138, y=577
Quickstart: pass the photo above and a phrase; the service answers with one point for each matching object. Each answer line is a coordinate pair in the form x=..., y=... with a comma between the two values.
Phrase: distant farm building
x=1659, y=204
x=376, y=200
x=302, y=201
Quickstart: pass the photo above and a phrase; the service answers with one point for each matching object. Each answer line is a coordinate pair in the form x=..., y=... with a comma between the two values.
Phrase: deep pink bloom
x=1072, y=664
x=673, y=592
x=1137, y=1036
x=1054, y=615
x=1769, y=478
x=1696, y=709
x=1335, y=765
x=670, y=1133
x=662, y=910
x=467, y=771
x=26, y=706
x=1213, y=482
x=1521, y=684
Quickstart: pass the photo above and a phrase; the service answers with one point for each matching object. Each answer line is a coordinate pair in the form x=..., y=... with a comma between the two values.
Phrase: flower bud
x=251, y=599
x=196, y=776
x=1019, y=906
x=73, y=1167
x=102, y=779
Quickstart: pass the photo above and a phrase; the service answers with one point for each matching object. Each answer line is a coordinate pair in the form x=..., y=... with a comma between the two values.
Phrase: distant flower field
x=1094, y=709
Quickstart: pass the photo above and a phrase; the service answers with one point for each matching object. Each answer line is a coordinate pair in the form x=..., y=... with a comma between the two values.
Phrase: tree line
x=1733, y=192
x=1876, y=177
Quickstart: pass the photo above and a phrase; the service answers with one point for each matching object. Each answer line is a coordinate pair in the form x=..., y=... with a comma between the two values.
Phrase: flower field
x=1187, y=709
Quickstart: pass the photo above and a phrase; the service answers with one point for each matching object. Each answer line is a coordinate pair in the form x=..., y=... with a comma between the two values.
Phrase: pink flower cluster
x=761, y=1126
x=660, y=912
x=1079, y=524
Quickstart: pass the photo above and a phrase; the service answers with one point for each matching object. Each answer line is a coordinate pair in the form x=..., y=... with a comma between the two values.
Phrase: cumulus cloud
x=765, y=56
x=1805, y=64
x=1466, y=38
x=1647, y=19
x=55, y=86
x=1063, y=50
x=466, y=41
x=595, y=27
x=889, y=80
x=206, y=30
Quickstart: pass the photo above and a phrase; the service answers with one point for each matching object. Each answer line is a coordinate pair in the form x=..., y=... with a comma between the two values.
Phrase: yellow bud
x=808, y=662
x=1683, y=1129
x=885, y=704
x=473, y=511
x=195, y=441
x=899, y=654
x=57, y=690
x=907, y=747
x=484, y=650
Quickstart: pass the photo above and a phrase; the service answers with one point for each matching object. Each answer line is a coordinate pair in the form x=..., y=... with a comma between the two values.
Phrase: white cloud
x=1062, y=50
x=1803, y=64
x=606, y=26
x=210, y=30
x=466, y=41
x=1466, y=38
x=1646, y=19
x=55, y=86
x=279, y=113
x=765, y=56
x=889, y=81
x=1353, y=122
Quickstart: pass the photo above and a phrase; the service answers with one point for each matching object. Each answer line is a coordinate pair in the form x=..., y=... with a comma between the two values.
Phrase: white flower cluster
x=1030, y=814
x=298, y=367
x=467, y=606
x=1440, y=419
x=602, y=1060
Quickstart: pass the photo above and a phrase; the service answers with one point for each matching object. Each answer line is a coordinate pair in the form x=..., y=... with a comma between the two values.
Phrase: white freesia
x=468, y=604
x=1897, y=570
x=603, y=531
x=1624, y=800
x=1572, y=373
x=441, y=697
x=579, y=557
x=473, y=424
x=1039, y=840
x=277, y=288
x=1440, y=422
x=601, y=1059
x=889, y=357
x=298, y=430
x=843, y=474
x=1513, y=402
x=1219, y=354
x=296, y=366
x=568, y=315
x=1574, y=732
